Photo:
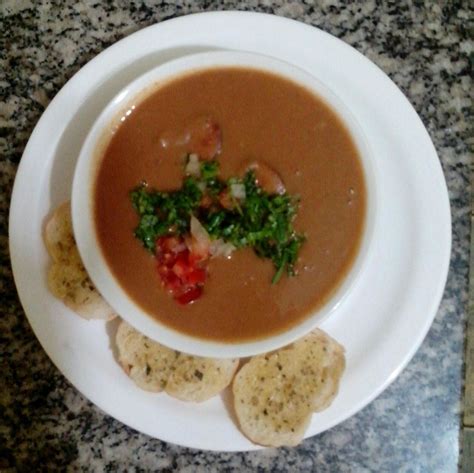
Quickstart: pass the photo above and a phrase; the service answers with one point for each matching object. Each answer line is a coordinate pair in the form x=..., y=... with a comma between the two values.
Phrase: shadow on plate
x=111, y=329
x=227, y=397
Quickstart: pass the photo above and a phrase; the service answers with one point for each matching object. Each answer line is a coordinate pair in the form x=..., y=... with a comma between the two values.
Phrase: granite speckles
x=426, y=49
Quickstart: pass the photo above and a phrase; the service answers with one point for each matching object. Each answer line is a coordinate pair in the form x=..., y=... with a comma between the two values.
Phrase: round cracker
x=275, y=394
x=67, y=278
x=198, y=379
x=147, y=362
x=58, y=233
x=154, y=367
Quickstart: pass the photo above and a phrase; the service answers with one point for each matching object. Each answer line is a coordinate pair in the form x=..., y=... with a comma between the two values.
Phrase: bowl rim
x=83, y=211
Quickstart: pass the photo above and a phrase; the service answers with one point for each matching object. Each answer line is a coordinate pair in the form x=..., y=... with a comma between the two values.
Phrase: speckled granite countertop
x=46, y=425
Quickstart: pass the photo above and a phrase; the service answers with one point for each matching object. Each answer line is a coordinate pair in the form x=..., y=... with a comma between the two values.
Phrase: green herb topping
x=237, y=211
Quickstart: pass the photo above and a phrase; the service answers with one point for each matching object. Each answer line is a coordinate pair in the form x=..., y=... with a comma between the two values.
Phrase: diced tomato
x=172, y=282
x=190, y=295
x=197, y=276
x=163, y=270
x=181, y=266
x=169, y=259
x=170, y=244
x=182, y=272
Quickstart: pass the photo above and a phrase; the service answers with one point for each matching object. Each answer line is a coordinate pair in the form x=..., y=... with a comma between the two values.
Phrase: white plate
x=381, y=323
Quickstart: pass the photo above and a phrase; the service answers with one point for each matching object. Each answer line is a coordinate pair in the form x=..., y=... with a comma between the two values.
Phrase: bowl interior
x=83, y=212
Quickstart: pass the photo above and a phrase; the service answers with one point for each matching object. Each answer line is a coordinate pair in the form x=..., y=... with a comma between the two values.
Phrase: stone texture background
x=426, y=47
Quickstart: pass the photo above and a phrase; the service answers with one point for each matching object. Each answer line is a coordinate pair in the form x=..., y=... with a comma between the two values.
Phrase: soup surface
x=263, y=118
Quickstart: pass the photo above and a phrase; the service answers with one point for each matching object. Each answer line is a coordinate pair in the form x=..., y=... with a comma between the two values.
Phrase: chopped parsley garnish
x=237, y=211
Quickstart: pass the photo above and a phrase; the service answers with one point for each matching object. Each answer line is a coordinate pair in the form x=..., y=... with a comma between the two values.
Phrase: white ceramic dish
x=83, y=207
x=381, y=323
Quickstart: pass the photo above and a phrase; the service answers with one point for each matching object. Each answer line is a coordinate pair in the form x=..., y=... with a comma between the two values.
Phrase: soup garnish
x=209, y=217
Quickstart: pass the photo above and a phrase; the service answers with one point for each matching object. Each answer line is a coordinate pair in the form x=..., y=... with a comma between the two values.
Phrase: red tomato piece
x=181, y=267
x=190, y=295
x=197, y=276
x=181, y=271
x=171, y=244
x=172, y=282
x=163, y=270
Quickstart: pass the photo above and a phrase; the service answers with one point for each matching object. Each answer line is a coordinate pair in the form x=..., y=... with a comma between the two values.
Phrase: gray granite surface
x=46, y=425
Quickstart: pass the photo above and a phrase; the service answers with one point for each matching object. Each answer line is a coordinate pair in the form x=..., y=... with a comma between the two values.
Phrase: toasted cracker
x=148, y=363
x=275, y=394
x=332, y=373
x=198, y=379
x=71, y=283
x=67, y=278
x=58, y=233
x=154, y=367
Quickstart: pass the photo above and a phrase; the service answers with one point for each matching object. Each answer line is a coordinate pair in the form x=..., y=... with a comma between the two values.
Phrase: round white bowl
x=83, y=215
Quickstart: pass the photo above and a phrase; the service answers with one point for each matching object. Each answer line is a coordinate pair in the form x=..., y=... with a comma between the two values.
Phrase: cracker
x=148, y=363
x=71, y=283
x=155, y=367
x=67, y=278
x=332, y=373
x=58, y=233
x=198, y=379
x=275, y=394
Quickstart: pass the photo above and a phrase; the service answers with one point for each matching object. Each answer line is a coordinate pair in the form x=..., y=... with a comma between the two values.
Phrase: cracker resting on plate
x=67, y=278
x=275, y=394
x=154, y=367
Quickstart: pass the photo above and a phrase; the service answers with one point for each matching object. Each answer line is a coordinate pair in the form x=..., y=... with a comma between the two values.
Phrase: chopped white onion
x=237, y=191
x=220, y=248
x=193, y=168
x=201, y=239
x=201, y=243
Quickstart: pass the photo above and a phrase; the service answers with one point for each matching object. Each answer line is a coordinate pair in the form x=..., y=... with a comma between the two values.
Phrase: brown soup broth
x=262, y=117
